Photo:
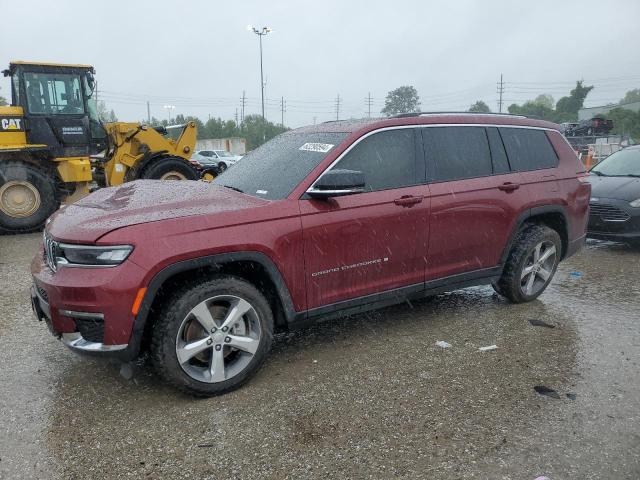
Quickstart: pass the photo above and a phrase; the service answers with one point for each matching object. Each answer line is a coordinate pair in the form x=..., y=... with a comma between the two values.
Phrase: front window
x=624, y=163
x=275, y=168
x=53, y=94
x=223, y=154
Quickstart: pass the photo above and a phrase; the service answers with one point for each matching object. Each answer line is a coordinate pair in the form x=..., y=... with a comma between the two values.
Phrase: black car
x=615, y=197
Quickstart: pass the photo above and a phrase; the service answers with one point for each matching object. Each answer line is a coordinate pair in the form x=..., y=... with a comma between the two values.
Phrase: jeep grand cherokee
x=321, y=221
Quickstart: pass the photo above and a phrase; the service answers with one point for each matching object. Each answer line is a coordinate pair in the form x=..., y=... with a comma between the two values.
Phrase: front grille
x=50, y=252
x=608, y=213
x=91, y=329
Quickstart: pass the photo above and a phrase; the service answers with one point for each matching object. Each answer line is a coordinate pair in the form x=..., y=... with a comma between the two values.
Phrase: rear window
x=456, y=152
x=528, y=149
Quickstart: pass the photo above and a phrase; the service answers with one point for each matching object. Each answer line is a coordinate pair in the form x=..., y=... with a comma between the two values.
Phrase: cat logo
x=11, y=125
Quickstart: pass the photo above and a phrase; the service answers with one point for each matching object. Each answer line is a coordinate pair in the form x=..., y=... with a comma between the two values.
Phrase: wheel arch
x=254, y=267
x=553, y=216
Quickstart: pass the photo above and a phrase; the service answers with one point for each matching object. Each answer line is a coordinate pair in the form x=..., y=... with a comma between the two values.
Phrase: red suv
x=322, y=221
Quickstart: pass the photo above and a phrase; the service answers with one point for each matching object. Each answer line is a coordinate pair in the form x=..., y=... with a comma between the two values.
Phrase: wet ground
x=371, y=396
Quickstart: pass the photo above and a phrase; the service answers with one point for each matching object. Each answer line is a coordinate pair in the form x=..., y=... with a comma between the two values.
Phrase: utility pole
x=314, y=120
x=283, y=108
x=368, y=101
x=148, y=113
x=244, y=101
x=500, y=91
x=338, y=107
x=260, y=33
x=236, y=116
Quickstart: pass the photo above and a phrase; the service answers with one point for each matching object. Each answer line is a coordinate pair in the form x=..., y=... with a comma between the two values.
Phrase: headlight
x=635, y=203
x=89, y=255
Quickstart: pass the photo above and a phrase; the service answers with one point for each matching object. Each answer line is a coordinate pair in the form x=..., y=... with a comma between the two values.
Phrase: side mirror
x=336, y=183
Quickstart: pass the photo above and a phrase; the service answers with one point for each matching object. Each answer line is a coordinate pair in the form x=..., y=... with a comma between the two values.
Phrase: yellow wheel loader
x=53, y=145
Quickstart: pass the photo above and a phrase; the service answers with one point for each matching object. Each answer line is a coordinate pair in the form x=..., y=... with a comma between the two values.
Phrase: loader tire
x=27, y=197
x=170, y=168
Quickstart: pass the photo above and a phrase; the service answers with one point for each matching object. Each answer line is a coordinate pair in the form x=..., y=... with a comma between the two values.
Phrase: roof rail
x=418, y=114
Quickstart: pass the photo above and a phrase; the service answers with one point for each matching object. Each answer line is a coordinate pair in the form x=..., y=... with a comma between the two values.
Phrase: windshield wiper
x=599, y=173
x=233, y=188
x=635, y=175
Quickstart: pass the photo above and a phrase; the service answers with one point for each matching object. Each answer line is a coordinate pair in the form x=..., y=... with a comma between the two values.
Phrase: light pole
x=260, y=33
x=169, y=108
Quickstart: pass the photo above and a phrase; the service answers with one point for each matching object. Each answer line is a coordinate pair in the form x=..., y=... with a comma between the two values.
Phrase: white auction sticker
x=317, y=147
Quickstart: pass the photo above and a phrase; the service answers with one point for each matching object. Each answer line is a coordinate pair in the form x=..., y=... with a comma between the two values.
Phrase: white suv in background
x=221, y=159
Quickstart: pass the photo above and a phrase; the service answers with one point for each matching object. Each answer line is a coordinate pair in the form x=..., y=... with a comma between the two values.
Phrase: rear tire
x=201, y=347
x=27, y=197
x=531, y=264
x=169, y=168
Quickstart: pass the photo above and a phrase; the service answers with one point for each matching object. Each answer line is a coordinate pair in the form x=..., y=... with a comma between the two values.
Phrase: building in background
x=234, y=145
x=588, y=113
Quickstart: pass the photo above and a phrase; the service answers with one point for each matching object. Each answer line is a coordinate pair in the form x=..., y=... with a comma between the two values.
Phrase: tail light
x=583, y=177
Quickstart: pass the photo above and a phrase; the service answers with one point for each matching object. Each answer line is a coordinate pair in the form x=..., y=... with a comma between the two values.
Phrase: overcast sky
x=199, y=56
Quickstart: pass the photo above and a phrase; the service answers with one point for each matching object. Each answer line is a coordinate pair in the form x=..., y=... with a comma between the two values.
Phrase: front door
x=375, y=241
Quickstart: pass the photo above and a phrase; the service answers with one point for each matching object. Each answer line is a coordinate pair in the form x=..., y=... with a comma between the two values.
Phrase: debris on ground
x=541, y=323
x=575, y=274
x=442, y=344
x=572, y=396
x=542, y=478
x=126, y=371
x=488, y=349
x=549, y=392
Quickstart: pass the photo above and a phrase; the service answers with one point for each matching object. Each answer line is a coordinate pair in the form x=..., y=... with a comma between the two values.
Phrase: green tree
x=3, y=101
x=104, y=114
x=567, y=107
x=256, y=130
x=403, y=99
x=625, y=122
x=631, y=96
x=533, y=110
x=545, y=100
x=480, y=107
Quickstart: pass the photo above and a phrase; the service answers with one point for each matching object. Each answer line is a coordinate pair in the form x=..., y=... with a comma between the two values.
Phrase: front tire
x=27, y=197
x=213, y=337
x=169, y=168
x=531, y=264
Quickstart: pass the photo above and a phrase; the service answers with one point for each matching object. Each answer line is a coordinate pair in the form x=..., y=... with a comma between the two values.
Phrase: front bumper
x=73, y=340
x=611, y=219
x=89, y=309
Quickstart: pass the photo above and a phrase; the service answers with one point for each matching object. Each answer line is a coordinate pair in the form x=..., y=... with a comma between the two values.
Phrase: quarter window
x=455, y=153
x=387, y=159
x=528, y=149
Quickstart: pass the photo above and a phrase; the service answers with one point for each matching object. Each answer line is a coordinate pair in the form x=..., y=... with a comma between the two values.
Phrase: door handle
x=408, y=200
x=509, y=187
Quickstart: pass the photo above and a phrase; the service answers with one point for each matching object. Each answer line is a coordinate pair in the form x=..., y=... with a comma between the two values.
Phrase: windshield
x=273, y=170
x=223, y=153
x=53, y=94
x=622, y=163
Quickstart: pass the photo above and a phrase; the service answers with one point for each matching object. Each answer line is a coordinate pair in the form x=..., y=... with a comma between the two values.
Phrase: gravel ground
x=369, y=396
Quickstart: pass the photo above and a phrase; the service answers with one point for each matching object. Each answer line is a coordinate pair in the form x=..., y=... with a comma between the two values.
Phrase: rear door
x=531, y=153
x=475, y=199
x=375, y=241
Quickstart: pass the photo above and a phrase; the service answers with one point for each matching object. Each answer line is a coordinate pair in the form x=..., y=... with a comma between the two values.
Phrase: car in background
x=219, y=159
x=594, y=126
x=615, y=197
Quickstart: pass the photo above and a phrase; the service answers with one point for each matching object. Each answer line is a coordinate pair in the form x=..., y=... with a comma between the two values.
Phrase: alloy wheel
x=538, y=268
x=218, y=338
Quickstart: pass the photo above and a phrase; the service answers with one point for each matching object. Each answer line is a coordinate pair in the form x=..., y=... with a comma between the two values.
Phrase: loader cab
x=59, y=107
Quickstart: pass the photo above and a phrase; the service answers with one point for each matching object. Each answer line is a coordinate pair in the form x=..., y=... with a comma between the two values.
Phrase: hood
x=621, y=188
x=143, y=201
